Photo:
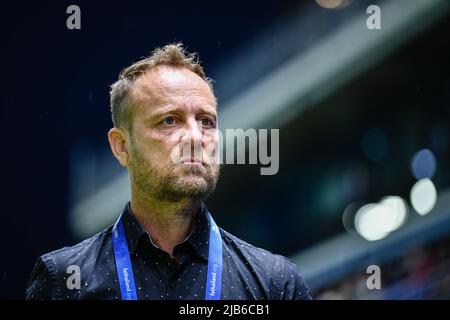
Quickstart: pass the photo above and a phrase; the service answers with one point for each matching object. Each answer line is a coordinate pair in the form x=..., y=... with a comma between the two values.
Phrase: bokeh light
x=368, y=224
x=423, y=164
x=334, y=4
x=374, y=221
x=423, y=196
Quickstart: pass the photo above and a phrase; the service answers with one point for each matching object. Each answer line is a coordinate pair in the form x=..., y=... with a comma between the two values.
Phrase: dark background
x=55, y=95
x=55, y=92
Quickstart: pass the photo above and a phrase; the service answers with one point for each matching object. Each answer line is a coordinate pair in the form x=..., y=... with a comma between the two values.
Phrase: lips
x=193, y=161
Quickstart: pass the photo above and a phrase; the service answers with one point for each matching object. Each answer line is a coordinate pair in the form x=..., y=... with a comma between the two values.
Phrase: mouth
x=193, y=162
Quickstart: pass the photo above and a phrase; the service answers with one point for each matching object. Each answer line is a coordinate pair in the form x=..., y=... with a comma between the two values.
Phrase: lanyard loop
x=125, y=270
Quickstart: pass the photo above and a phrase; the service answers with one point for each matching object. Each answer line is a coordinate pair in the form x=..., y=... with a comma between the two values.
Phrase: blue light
x=423, y=164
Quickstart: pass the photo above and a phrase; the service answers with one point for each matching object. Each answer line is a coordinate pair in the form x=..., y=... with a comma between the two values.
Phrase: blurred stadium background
x=364, y=119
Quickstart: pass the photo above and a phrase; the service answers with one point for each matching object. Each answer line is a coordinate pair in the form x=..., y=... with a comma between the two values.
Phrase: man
x=165, y=244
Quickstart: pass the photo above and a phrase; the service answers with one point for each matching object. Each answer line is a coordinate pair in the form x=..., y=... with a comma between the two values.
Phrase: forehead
x=165, y=85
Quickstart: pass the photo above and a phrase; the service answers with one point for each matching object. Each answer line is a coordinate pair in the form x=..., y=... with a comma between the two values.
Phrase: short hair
x=170, y=55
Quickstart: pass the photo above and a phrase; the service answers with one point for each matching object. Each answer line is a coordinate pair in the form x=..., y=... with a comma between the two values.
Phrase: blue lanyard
x=125, y=270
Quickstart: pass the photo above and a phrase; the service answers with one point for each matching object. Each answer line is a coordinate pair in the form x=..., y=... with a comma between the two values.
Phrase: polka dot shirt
x=249, y=273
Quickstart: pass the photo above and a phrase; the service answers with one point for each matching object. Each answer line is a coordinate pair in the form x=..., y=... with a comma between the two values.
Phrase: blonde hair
x=170, y=55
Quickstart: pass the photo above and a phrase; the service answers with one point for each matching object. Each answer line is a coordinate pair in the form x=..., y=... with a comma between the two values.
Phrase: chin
x=193, y=187
x=193, y=184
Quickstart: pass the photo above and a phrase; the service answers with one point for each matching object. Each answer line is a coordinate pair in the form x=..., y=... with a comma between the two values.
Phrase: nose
x=192, y=139
x=193, y=133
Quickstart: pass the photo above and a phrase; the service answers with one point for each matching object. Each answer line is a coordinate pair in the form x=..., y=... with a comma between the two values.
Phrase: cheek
x=149, y=157
x=210, y=141
x=144, y=151
x=154, y=140
x=159, y=150
x=158, y=145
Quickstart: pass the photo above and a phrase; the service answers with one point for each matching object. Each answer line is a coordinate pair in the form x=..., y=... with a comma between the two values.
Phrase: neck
x=168, y=223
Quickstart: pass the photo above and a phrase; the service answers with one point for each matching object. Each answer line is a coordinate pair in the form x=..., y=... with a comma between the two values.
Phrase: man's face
x=174, y=117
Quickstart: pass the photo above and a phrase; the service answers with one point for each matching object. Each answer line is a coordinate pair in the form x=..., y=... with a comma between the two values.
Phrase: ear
x=118, y=142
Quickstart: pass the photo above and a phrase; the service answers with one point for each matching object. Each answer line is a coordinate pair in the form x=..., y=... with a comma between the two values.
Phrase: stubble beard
x=174, y=182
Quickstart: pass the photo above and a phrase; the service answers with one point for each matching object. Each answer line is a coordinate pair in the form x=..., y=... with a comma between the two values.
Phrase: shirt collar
x=198, y=239
x=133, y=229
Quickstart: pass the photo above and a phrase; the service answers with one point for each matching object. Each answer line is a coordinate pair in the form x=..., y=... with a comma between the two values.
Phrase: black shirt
x=248, y=272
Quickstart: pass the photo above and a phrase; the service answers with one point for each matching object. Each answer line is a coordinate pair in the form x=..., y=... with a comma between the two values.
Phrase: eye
x=207, y=122
x=169, y=121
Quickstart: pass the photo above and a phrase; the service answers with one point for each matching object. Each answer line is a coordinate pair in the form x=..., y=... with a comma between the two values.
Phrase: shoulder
x=248, y=249
x=52, y=268
x=284, y=277
x=253, y=253
x=81, y=252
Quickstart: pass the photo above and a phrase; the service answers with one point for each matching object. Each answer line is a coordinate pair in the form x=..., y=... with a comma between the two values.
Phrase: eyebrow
x=165, y=110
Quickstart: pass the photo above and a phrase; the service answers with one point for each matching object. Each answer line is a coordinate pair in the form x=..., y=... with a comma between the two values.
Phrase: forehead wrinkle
x=157, y=87
x=145, y=91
